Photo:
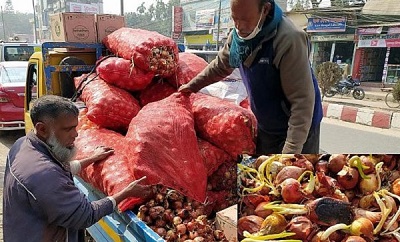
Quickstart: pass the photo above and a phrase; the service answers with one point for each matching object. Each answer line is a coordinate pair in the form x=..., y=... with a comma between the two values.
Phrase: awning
x=382, y=7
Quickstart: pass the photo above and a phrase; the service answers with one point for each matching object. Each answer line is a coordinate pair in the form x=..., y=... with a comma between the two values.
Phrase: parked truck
x=51, y=71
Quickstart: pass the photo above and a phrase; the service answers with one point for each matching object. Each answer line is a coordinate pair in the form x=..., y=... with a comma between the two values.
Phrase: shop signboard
x=394, y=30
x=371, y=30
x=83, y=8
x=326, y=25
x=205, y=18
x=379, y=43
x=332, y=37
x=177, y=17
x=382, y=41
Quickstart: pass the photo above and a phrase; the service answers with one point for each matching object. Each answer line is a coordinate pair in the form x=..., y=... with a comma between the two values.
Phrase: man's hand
x=135, y=190
x=185, y=88
x=101, y=152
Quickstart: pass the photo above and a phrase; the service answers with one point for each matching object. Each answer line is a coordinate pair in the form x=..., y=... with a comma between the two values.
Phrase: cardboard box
x=226, y=221
x=73, y=27
x=108, y=23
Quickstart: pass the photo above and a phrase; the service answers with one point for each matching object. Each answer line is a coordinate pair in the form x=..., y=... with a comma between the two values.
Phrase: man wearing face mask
x=40, y=200
x=272, y=55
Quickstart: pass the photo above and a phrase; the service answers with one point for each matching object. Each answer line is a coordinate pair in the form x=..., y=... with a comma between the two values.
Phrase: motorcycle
x=345, y=87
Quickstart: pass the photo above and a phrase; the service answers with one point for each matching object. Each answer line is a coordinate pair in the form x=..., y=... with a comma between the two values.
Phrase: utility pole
x=122, y=7
x=219, y=24
x=34, y=22
x=4, y=26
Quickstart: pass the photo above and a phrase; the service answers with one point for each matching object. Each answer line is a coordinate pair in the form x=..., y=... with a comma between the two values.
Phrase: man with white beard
x=40, y=200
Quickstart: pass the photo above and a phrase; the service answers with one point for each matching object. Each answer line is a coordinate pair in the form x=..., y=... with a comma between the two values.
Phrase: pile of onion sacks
x=338, y=197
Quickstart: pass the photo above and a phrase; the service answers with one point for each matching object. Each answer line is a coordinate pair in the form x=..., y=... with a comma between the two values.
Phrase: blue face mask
x=253, y=34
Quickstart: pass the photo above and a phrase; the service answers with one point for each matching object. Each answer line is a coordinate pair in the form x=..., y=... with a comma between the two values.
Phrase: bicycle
x=390, y=101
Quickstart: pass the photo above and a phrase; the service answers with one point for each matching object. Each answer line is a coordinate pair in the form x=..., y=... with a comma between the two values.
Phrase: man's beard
x=62, y=153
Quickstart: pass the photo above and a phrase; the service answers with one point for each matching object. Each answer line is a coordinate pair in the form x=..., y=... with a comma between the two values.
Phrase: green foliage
x=16, y=23
x=328, y=73
x=396, y=91
x=157, y=17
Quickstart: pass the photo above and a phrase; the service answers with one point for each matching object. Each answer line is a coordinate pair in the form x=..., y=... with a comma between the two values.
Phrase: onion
x=156, y=212
x=274, y=224
x=193, y=234
x=322, y=166
x=366, y=162
x=181, y=229
x=350, y=194
x=250, y=224
x=302, y=162
x=160, y=223
x=336, y=162
x=291, y=192
x=171, y=236
x=159, y=198
x=394, y=226
x=168, y=216
x=362, y=226
x=396, y=187
x=161, y=231
x=177, y=220
x=191, y=226
x=261, y=211
x=199, y=239
x=302, y=226
x=374, y=217
x=348, y=177
x=367, y=201
x=369, y=185
x=354, y=239
x=288, y=172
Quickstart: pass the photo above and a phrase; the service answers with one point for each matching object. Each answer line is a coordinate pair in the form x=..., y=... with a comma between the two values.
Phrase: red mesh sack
x=212, y=156
x=121, y=73
x=84, y=122
x=163, y=146
x=108, y=106
x=245, y=103
x=111, y=175
x=224, y=124
x=148, y=50
x=155, y=92
x=217, y=201
x=224, y=178
x=189, y=65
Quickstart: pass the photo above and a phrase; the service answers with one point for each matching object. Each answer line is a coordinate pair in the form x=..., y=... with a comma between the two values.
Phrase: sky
x=110, y=6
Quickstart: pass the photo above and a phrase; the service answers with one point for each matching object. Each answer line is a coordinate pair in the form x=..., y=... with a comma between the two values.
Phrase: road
x=342, y=137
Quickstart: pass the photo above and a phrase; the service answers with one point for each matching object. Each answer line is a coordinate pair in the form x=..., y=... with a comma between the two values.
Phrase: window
x=31, y=84
x=13, y=74
x=18, y=53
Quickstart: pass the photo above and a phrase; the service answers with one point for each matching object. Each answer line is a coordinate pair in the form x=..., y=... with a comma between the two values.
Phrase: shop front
x=337, y=48
x=377, y=58
x=331, y=40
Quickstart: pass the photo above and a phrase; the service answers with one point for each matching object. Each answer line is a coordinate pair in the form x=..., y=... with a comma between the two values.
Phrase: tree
x=9, y=8
x=328, y=73
x=157, y=17
x=396, y=91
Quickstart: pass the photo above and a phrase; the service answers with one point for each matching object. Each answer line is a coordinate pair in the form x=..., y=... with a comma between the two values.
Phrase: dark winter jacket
x=40, y=200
